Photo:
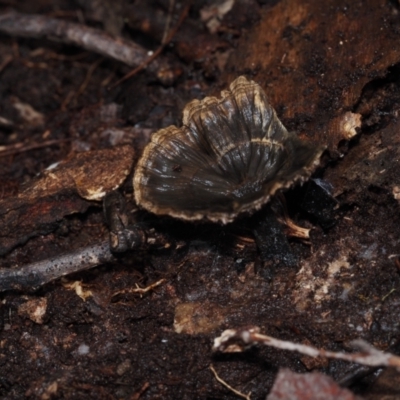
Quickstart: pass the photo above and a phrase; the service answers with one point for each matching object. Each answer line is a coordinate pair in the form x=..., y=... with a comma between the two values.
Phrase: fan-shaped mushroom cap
x=230, y=156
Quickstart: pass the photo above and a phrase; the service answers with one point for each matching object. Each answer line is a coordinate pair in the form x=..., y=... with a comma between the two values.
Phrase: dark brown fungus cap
x=230, y=156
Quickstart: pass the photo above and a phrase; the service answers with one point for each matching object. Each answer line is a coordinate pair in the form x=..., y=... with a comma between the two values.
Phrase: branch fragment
x=32, y=276
x=95, y=40
x=156, y=54
x=232, y=340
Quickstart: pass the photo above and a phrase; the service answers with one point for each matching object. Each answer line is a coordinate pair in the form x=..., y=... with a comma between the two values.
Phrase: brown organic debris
x=139, y=290
x=193, y=318
x=396, y=193
x=349, y=122
x=34, y=309
x=28, y=115
x=80, y=291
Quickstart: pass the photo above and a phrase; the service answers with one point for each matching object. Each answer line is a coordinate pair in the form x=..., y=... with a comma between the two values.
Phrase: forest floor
x=331, y=71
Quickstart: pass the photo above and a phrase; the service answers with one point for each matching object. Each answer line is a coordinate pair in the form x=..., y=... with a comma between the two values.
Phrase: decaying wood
x=61, y=190
x=314, y=59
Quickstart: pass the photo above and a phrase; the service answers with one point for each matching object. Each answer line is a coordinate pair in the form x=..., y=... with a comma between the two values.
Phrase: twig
x=84, y=84
x=370, y=356
x=21, y=147
x=118, y=48
x=388, y=294
x=169, y=19
x=220, y=380
x=88, y=76
x=31, y=276
x=34, y=275
x=158, y=51
x=5, y=62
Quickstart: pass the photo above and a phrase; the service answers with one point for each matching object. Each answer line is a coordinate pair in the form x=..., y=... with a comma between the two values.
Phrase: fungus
x=229, y=157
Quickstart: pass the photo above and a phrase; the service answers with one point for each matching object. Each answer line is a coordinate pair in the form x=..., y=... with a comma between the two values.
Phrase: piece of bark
x=65, y=189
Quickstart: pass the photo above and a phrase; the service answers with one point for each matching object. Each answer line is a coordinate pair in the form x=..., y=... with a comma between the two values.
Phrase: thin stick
x=169, y=19
x=220, y=380
x=150, y=59
x=32, y=276
x=84, y=84
x=95, y=40
x=21, y=147
x=368, y=356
